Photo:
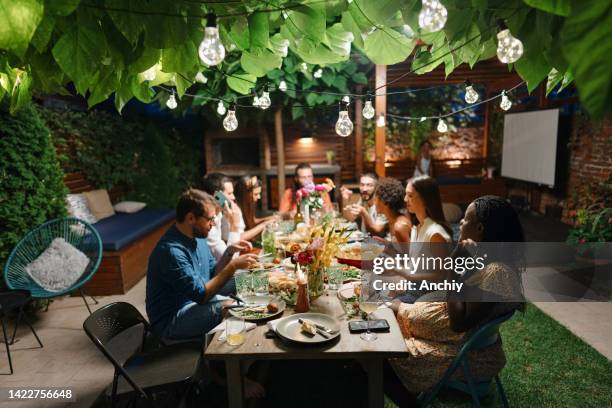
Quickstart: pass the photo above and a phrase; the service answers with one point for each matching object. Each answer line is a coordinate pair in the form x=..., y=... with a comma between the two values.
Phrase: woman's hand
x=395, y=305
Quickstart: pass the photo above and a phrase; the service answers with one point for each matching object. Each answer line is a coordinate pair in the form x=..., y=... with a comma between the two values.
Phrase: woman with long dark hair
x=435, y=330
x=248, y=192
x=388, y=201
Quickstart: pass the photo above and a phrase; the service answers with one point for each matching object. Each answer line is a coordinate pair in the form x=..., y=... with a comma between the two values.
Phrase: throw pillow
x=99, y=203
x=78, y=207
x=129, y=206
x=58, y=267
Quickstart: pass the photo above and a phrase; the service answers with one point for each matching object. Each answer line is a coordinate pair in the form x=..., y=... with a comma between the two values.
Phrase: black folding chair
x=147, y=374
x=14, y=300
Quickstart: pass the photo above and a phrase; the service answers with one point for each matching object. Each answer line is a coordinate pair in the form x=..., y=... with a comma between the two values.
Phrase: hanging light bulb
x=442, y=128
x=221, y=108
x=264, y=101
x=344, y=126
x=346, y=99
x=368, y=110
x=423, y=119
x=432, y=16
x=304, y=66
x=230, y=123
x=318, y=73
x=380, y=122
x=505, y=103
x=201, y=78
x=471, y=96
x=256, y=101
x=149, y=74
x=509, y=48
x=282, y=86
x=211, y=49
x=171, y=102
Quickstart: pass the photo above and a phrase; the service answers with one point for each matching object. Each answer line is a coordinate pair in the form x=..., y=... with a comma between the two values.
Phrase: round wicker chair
x=77, y=232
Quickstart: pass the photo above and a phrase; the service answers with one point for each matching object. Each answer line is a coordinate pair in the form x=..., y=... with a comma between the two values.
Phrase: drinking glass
x=268, y=239
x=369, y=301
x=334, y=277
x=235, y=331
x=260, y=283
x=243, y=283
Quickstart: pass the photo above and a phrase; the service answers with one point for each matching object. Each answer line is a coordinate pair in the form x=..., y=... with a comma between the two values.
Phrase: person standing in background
x=423, y=165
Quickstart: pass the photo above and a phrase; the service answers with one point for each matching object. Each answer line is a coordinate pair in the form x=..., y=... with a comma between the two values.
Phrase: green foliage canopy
x=105, y=46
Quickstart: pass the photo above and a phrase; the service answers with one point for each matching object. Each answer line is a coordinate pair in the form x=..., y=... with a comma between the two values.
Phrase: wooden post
x=358, y=136
x=487, y=125
x=381, y=108
x=264, y=166
x=280, y=152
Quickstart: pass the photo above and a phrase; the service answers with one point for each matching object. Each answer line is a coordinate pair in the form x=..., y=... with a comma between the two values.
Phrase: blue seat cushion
x=121, y=230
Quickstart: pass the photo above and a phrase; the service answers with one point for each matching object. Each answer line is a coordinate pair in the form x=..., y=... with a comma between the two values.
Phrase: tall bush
x=32, y=190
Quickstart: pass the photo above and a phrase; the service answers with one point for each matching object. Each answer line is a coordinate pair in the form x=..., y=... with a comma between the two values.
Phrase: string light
x=509, y=48
x=171, y=102
x=368, y=110
x=221, y=108
x=230, y=123
x=505, y=103
x=264, y=100
x=471, y=96
x=344, y=126
x=442, y=127
x=211, y=49
x=346, y=99
x=318, y=73
x=433, y=16
x=380, y=122
x=282, y=86
x=423, y=119
x=201, y=78
x=256, y=101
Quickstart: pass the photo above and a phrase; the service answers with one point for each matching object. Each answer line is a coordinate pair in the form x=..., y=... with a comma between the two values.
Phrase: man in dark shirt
x=183, y=279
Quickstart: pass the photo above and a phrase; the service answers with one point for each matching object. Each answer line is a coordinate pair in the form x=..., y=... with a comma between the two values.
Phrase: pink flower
x=304, y=258
x=309, y=188
x=299, y=194
x=317, y=243
x=583, y=240
x=320, y=187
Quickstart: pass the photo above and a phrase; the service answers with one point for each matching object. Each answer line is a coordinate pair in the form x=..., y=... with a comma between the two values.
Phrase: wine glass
x=369, y=301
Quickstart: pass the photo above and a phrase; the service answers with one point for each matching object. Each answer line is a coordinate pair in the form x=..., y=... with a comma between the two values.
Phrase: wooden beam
x=487, y=125
x=280, y=151
x=358, y=136
x=381, y=108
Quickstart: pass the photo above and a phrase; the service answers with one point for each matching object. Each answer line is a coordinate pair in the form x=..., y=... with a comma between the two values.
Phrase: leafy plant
x=105, y=47
x=32, y=190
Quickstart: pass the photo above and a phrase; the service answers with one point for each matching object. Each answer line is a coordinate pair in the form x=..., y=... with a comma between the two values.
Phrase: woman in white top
x=423, y=165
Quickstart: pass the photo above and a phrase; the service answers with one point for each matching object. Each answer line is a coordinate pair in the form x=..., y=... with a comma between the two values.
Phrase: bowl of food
x=358, y=254
x=283, y=286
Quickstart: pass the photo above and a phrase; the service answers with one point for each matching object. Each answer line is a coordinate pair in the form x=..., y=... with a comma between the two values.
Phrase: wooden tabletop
x=347, y=345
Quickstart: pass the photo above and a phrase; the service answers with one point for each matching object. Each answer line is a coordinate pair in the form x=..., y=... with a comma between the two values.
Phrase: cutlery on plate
x=318, y=327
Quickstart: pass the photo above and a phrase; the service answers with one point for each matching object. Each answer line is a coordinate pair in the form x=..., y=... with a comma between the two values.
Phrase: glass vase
x=315, y=281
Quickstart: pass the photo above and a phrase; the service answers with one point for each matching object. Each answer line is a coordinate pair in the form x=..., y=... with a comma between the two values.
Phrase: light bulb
x=423, y=119
x=442, y=128
x=346, y=99
x=304, y=66
x=471, y=96
x=509, y=49
x=432, y=16
x=211, y=49
x=318, y=73
x=368, y=110
x=230, y=123
x=344, y=126
x=264, y=101
x=282, y=86
x=201, y=78
x=380, y=122
x=256, y=101
x=505, y=103
x=171, y=102
x=149, y=74
x=221, y=108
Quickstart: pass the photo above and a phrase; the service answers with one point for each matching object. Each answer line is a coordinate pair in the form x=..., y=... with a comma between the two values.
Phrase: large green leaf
x=18, y=22
x=387, y=47
x=183, y=58
x=107, y=82
x=61, y=7
x=306, y=22
x=78, y=52
x=558, y=7
x=241, y=83
x=260, y=62
x=533, y=70
x=279, y=45
x=42, y=35
x=587, y=47
x=239, y=33
x=162, y=31
x=259, y=30
x=382, y=12
x=339, y=40
x=349, y=24
x=147, y=58
x=46, y=74
x=129, y=22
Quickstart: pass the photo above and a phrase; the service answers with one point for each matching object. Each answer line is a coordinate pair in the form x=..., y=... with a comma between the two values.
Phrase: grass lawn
x=547, y=367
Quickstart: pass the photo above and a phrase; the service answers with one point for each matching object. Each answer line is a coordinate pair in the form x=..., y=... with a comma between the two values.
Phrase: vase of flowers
x=324, y=243
x=310, y=197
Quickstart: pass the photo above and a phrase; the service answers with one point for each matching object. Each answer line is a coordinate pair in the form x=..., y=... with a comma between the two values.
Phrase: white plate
x=265, y=299
x=289, y=328
x=347, y=290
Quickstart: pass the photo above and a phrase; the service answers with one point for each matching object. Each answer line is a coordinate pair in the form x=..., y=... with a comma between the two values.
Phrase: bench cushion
x=121, y=230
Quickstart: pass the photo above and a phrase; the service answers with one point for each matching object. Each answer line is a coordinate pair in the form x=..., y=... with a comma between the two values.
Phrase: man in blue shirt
x=183, y=278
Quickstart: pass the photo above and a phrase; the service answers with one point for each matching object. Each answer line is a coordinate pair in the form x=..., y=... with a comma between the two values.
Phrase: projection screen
x=530, y=146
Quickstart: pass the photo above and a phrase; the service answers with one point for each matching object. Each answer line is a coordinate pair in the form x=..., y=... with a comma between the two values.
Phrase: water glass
x=243, y=283
x=268, y=240
x=334, y=277
x=260, y=283
x=235, y=331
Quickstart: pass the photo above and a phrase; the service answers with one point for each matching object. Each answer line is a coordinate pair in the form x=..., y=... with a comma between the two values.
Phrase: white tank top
x=424, y=234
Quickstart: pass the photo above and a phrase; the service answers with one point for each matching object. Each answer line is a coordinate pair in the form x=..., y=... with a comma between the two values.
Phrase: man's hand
x=243, y=262
x=240, y=246
x=231, y=212
x=358, y=210
x=346, y=193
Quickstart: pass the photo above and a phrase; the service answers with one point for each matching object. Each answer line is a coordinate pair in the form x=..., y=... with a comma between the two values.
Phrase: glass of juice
x=235, y=331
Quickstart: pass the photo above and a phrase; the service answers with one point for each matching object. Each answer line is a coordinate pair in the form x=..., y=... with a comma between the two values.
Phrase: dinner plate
x=289, y=328
x=264, y=299
x=347, y=290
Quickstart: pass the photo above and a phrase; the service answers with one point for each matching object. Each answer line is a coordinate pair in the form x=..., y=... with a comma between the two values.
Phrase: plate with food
x=259, y=308
x=266, y=266
x=308, y=328
x=284, y=286
x=357, y=254
x=350, y=272
x=350, y=291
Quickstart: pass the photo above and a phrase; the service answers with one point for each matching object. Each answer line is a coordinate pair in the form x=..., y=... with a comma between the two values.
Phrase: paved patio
x=69, y=359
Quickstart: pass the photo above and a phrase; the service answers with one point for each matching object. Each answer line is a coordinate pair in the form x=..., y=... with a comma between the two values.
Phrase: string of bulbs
x=432, y=18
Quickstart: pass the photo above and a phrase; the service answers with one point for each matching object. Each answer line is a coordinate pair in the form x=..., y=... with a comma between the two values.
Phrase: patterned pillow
x=78, y=207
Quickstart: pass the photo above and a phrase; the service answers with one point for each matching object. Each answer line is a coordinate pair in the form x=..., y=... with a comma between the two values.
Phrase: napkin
x=221, y=328
x=272, y=324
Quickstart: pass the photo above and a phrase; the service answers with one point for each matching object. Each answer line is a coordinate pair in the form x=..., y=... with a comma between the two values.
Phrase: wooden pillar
x=381, y=108
x=264, y=166
x=358, y=136
x=280, y=152
x=487, y=125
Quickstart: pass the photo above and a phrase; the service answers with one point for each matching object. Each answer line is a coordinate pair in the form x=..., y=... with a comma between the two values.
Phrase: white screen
x=530, y=146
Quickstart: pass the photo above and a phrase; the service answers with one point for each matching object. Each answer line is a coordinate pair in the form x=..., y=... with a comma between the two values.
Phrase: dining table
x=370, y=354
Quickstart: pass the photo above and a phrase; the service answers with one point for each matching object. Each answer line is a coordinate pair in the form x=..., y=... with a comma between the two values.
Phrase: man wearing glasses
x=184, y=281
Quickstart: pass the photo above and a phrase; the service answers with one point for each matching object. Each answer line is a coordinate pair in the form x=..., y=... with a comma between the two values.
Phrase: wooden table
x=349, y=346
